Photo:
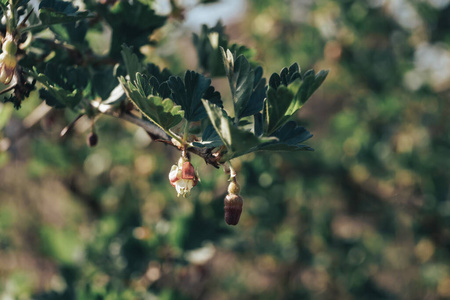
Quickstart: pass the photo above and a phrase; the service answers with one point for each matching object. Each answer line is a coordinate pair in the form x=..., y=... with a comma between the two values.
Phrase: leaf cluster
x=187, y=107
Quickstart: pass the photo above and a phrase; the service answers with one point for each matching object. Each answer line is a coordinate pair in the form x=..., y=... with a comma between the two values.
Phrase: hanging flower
x=8, y=61
x=183, y=177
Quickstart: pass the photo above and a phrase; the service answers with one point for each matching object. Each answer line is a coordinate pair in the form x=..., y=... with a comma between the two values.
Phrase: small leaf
x=190, y=93
x=237, y=141
x=311, y=83
x=73, y=33
x=208, y=44
x=279, y=107
x=241, y=83
x=64, y=85
x=104, y=82
x=290, y=137
x=155, y=71
x=131, y=61
x=286, y=77
x=256, y=102
x=287, y=93
x=58, y=12
x=162, y=112
x=210, y=138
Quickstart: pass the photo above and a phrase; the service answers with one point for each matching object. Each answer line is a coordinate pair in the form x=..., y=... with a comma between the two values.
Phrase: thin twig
x=159, y=135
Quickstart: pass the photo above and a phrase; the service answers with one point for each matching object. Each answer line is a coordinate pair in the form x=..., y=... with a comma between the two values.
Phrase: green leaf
x=256, y=101
x=131, y=61
x=73, y=33
x=155, y=71
x=279, y=106
x=286, y=94
x=190, y=93
x=311, y=82
x=241, y=82
x=210, y=138
x=286, y=76
x=58, y=12
x=290, y=137
x=237, y=141
x=64, y=86
x=208, y=44
x=104, y=81
x=132, y=23
x=162, y=112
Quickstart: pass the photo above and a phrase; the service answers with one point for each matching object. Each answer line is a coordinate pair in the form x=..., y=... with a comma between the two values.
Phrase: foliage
x=365, y=216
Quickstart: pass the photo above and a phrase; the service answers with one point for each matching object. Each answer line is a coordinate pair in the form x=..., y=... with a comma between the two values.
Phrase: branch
x=155, y=132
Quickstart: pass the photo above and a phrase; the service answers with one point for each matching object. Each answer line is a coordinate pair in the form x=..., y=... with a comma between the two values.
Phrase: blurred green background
x=365, y=216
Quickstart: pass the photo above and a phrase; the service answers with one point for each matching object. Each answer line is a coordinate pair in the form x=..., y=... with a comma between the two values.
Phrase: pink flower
x=183, y=177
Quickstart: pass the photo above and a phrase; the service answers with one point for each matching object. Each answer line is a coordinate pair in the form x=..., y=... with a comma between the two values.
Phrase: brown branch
x=157, y=133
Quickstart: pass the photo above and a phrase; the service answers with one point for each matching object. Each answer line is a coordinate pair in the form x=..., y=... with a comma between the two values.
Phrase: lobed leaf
x=286, y=76
x=189, y=94
x=237, y=141
x=286, y=94
x=58, y=12
x=241, y=83
x=256, y=102
x=131, y=61
x=64, y=86
x=210, y=138
x=163, y=112
x=279, y=106
x=290, y=136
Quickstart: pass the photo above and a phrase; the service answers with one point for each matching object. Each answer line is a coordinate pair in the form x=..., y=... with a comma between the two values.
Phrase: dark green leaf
x=256, y=101
x=241, y=83
x=237, y=141
x=58, y=12
x=208, y=44
x=287, y=93
x=64, y=85
x=103, y=82
x=258, y=124
x=279, y=106
x=210, y=138
x=73, y=33
x=311, y=83
x=286, y=77
x=155, y=71
x=190, y=93
x=131, y=61
x=290, y=137
x=163, y=112
x=132, y=23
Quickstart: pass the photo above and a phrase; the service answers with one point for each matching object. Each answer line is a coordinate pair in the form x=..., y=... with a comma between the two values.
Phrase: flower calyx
x=183, y=177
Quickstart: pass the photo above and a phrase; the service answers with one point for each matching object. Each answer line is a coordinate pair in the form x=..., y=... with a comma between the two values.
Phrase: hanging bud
x=233, y=208
x=92, y=139
x=183, y=177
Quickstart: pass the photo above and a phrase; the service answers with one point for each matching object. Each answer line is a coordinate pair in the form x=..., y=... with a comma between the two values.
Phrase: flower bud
x=233, y=208
x=92, y=139
x=9, y=47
